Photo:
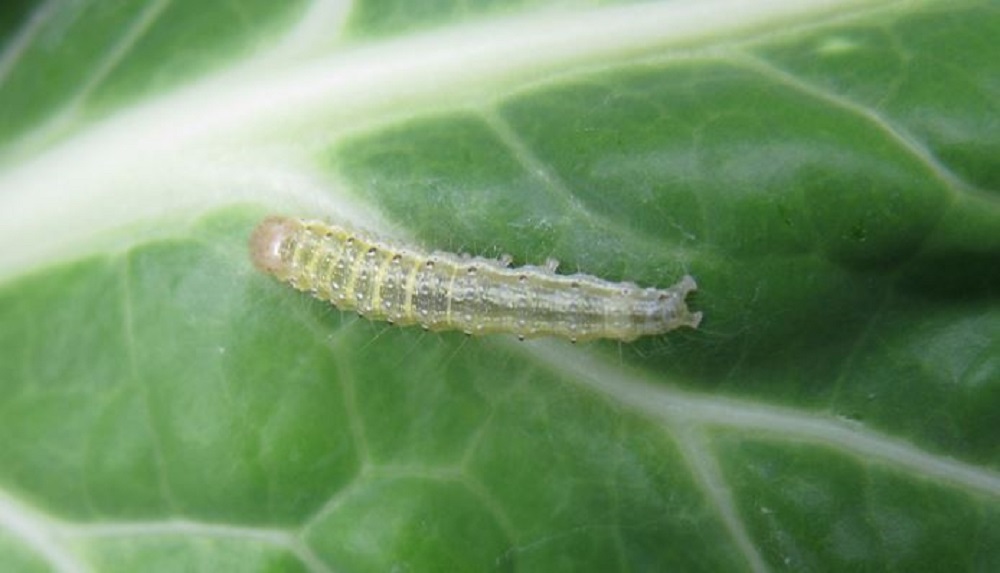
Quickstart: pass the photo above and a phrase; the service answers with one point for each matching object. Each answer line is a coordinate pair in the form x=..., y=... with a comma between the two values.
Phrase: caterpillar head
x=268, y=245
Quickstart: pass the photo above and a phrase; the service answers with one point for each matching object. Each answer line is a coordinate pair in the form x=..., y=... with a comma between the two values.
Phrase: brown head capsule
x=271, y=245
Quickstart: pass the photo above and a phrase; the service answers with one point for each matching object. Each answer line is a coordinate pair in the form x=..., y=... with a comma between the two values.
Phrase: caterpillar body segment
x=386, y=280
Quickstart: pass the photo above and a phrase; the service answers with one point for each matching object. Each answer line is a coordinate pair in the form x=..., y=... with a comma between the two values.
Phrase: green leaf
x=827, y=170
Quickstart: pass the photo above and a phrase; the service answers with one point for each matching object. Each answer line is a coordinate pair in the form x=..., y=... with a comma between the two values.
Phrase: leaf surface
x=825, y=169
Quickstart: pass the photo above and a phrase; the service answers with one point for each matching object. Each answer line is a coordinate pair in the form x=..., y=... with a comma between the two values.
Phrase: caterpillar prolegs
x=385, y=280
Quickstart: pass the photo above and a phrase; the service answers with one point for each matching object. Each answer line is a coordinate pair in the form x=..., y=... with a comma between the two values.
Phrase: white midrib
x=675, y=408
x=51, y=539
x=687, y=416
x=36, y=532
x=246, y=135
x=201, y=148
x=683, y=415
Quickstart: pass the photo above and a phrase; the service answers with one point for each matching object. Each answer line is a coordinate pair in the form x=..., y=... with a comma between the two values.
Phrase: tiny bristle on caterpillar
x=386, y=280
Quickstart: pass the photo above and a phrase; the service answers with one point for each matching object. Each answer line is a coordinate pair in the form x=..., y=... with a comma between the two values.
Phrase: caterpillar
x=385, y=280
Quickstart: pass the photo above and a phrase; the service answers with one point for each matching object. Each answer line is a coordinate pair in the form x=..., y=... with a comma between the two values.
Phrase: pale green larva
x=385, y=280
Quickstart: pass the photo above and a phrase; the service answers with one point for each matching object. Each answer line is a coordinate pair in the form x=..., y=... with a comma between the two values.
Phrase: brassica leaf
x=827, y=170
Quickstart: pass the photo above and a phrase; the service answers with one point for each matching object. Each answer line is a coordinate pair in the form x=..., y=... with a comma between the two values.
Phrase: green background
x=828, y=174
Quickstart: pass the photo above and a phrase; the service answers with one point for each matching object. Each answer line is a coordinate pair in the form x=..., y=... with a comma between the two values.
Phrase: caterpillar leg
x=504, y=261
